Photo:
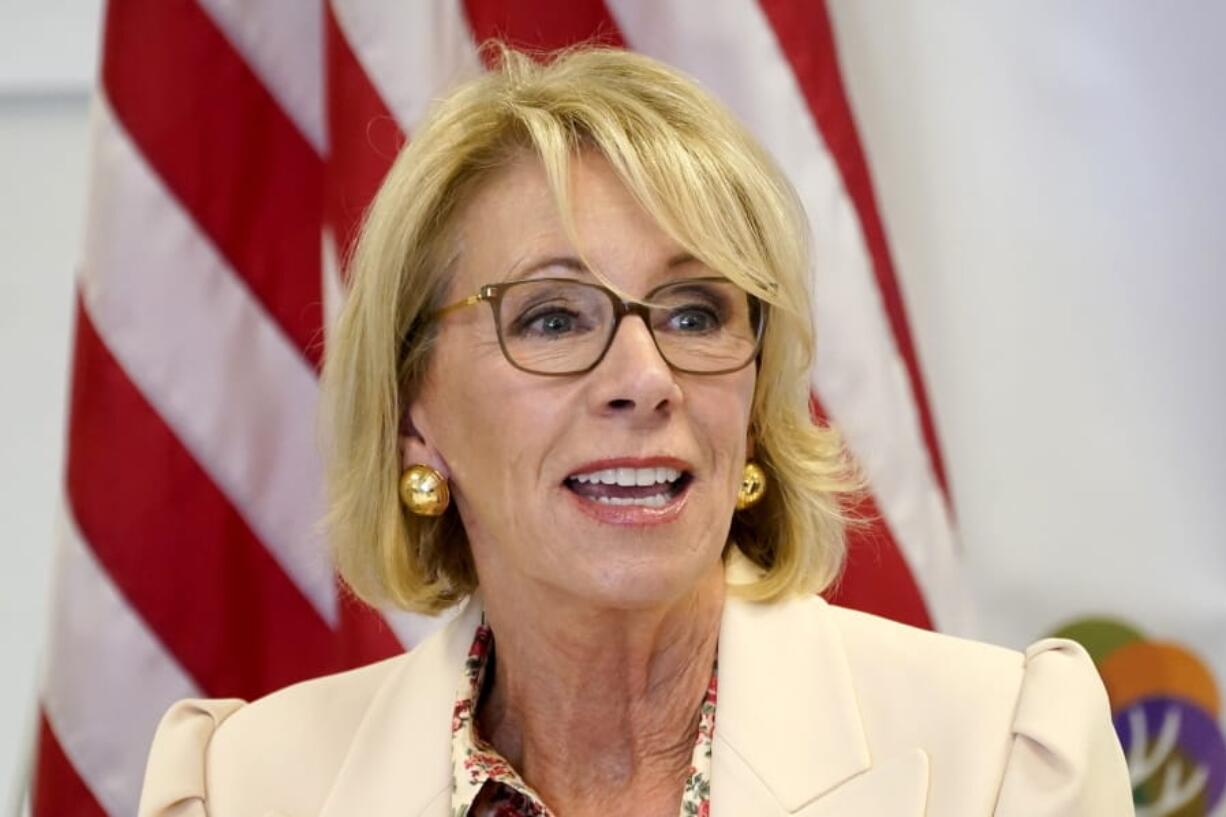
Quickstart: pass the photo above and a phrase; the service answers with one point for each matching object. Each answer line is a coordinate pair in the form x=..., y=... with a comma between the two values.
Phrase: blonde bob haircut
x=708, y=185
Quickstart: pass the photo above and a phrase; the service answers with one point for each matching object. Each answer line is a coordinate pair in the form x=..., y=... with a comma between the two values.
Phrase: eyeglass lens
x=558, y=326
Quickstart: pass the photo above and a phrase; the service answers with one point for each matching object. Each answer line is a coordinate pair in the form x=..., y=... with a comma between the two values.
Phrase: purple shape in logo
x=1175, y=749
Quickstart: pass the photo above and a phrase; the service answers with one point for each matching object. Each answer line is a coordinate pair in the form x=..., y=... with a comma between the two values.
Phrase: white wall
x=47, y=54
x=42, y=165
x=1053, y=182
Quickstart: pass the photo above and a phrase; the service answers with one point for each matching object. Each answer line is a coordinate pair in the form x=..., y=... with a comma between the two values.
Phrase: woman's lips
x=631, y=504
x=610, y=491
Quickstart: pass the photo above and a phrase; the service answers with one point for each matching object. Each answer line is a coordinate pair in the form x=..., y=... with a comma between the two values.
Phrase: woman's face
x=528, y=457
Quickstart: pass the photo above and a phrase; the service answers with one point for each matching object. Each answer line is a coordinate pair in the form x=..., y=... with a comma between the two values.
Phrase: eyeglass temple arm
x=447, y=310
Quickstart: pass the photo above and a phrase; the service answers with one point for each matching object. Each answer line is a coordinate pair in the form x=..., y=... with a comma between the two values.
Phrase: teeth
x=653, y=501
x=630, y=476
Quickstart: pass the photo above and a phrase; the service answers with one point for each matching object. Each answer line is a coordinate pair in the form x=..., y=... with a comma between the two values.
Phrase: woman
x=569, y=390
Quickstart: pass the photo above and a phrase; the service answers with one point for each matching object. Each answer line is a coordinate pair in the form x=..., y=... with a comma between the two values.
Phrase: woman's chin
x=638, y=581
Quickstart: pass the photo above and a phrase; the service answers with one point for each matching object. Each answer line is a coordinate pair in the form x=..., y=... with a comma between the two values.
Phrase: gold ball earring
x=423, y=490
x=753, y=486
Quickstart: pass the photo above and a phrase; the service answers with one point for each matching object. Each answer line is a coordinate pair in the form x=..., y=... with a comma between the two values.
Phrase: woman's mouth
x=631, y=495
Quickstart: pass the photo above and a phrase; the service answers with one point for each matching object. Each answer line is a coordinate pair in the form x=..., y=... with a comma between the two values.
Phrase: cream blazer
x=823, y=712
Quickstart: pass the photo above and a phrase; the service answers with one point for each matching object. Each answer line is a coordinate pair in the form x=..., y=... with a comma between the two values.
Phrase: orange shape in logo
x=1148, y=668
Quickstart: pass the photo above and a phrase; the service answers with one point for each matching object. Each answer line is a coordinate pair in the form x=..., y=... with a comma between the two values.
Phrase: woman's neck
x=595, y=706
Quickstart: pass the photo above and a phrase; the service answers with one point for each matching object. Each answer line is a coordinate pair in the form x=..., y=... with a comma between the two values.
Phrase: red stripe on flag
x=175, y=547
x=363, y=136
x=804, y=33
x=57, y=789
x=224, y=148
x=876, y=578
x=363, y=140
x=544, y=25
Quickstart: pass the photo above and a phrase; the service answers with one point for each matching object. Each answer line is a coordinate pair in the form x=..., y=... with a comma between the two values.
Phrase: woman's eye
x=553, y=323
x=693, y=320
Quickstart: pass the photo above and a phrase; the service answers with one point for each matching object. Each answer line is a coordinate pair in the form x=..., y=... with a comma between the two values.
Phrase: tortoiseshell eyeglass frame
x=492, y=294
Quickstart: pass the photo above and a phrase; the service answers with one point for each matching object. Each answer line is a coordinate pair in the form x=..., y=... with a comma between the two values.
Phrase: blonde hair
x=707, y=184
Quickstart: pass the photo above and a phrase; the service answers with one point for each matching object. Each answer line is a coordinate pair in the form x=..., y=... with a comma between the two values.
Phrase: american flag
x=234, y=146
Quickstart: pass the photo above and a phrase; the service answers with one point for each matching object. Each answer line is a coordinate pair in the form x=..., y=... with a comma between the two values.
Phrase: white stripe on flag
x=859, y=374
x=409, y=51
x=204, y=353
x=97, y=648
x=281, y=41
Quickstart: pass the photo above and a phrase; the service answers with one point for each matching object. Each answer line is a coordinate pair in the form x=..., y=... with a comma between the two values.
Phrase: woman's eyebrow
x=567, y=262
x=576, y=265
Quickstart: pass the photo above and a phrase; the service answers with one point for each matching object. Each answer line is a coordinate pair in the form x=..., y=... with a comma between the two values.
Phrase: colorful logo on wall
x=1167, y=713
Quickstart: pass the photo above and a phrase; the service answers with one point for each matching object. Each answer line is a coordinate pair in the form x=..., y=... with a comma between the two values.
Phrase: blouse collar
x=476, y=766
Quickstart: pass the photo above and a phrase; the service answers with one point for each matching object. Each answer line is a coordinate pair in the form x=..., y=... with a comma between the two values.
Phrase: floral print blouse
x=485, y=785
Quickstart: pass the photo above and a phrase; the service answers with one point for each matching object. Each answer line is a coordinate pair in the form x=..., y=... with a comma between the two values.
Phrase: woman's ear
x=416, y=447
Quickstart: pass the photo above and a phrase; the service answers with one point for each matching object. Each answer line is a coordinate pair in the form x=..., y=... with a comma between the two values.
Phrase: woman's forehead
x=512, y=228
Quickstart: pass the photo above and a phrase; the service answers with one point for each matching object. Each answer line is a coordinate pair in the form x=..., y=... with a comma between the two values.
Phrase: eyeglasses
x=559, y=326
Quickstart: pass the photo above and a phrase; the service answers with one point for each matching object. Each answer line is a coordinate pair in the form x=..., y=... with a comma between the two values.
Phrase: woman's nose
x=633, y=378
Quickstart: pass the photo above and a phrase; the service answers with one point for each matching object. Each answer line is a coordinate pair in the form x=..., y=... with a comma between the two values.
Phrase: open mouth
x=641, y=487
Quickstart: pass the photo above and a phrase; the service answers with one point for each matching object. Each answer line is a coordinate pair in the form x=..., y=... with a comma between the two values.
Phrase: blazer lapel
x=788, y=733
x=399, y=764
x=897, y=787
